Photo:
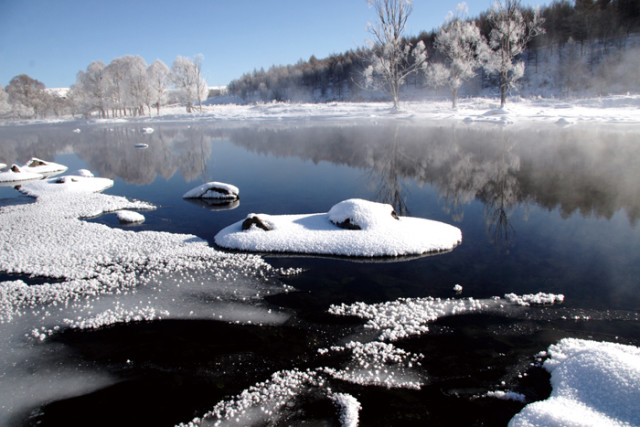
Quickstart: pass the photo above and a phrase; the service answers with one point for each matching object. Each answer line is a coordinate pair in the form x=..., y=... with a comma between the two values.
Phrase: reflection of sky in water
x=543, y=209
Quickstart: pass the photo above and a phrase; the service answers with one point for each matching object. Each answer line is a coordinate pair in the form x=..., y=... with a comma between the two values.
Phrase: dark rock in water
x=255, y=220
x=35, y=163
x=65, y=179
x=351, y=224
x=348, y=225
x=15, y=168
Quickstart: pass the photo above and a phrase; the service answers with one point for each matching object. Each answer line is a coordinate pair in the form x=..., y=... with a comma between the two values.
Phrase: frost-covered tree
x=91, y=91
x=393, y=57
x=27, y=96
x=136, y=84
x=463, y=46
x=187, y=78
x=510, y=33
x=4, y=101
x=158, y=78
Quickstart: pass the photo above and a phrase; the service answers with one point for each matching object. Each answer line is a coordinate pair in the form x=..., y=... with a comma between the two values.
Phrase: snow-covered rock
x=358, y=214
x=129, y=217
x=147, y=130
x=213, y=190
x=380, y=234
x=42, y=167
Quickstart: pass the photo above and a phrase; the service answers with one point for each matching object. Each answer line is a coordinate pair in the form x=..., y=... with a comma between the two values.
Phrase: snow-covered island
x=34, y=169
x=354, y=227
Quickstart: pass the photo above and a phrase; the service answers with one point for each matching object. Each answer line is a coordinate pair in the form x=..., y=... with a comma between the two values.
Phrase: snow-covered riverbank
x=608, y=109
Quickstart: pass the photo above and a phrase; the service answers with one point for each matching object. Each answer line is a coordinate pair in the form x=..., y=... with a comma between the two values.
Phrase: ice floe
x=213, y=190
x=354, y=227
x=594, y=384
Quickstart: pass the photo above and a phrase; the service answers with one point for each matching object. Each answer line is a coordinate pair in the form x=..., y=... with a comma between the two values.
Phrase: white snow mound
x=380, y=234
x=42, y=167
x=66, y=184
x=213, y=190
x=129, y=217
x=15, y=174
x=594, y=384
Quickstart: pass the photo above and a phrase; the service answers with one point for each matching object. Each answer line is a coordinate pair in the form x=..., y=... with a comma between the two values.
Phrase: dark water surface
x=541, y=208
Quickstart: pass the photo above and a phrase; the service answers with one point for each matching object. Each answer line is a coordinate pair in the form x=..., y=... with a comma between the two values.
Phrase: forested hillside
x=588, y=47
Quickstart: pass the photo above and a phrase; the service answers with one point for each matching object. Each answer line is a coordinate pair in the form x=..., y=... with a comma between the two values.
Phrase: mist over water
x=542, y=208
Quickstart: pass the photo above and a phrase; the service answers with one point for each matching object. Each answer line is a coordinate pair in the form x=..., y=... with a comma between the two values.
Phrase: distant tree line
x=566, y=46
x=127, y=86
x=344, y=76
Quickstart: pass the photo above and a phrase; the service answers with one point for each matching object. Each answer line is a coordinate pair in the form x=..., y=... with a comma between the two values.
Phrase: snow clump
x=541, y=298
x=349, y=409
x=129, y=217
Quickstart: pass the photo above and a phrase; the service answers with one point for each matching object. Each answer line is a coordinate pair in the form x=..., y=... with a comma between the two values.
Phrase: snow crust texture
x=594, y=384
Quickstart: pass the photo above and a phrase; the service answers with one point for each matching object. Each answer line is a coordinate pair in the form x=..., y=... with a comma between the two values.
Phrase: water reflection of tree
x=590, y=171
x=500, y=193
x=387, y=173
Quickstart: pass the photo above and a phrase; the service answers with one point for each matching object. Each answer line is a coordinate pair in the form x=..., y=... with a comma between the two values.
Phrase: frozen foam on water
x=98, y=276
x=410, y=316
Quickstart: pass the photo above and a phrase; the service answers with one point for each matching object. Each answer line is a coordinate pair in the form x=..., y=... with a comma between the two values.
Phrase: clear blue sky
x=51, y=40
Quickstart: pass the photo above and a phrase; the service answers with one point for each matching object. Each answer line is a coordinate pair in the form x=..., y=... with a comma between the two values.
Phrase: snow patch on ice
x=507, y=395
x=594, y=384
x=261, y=402
x=378, y=364
x=410, y=316
x=349, y=409
x=66, y=184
